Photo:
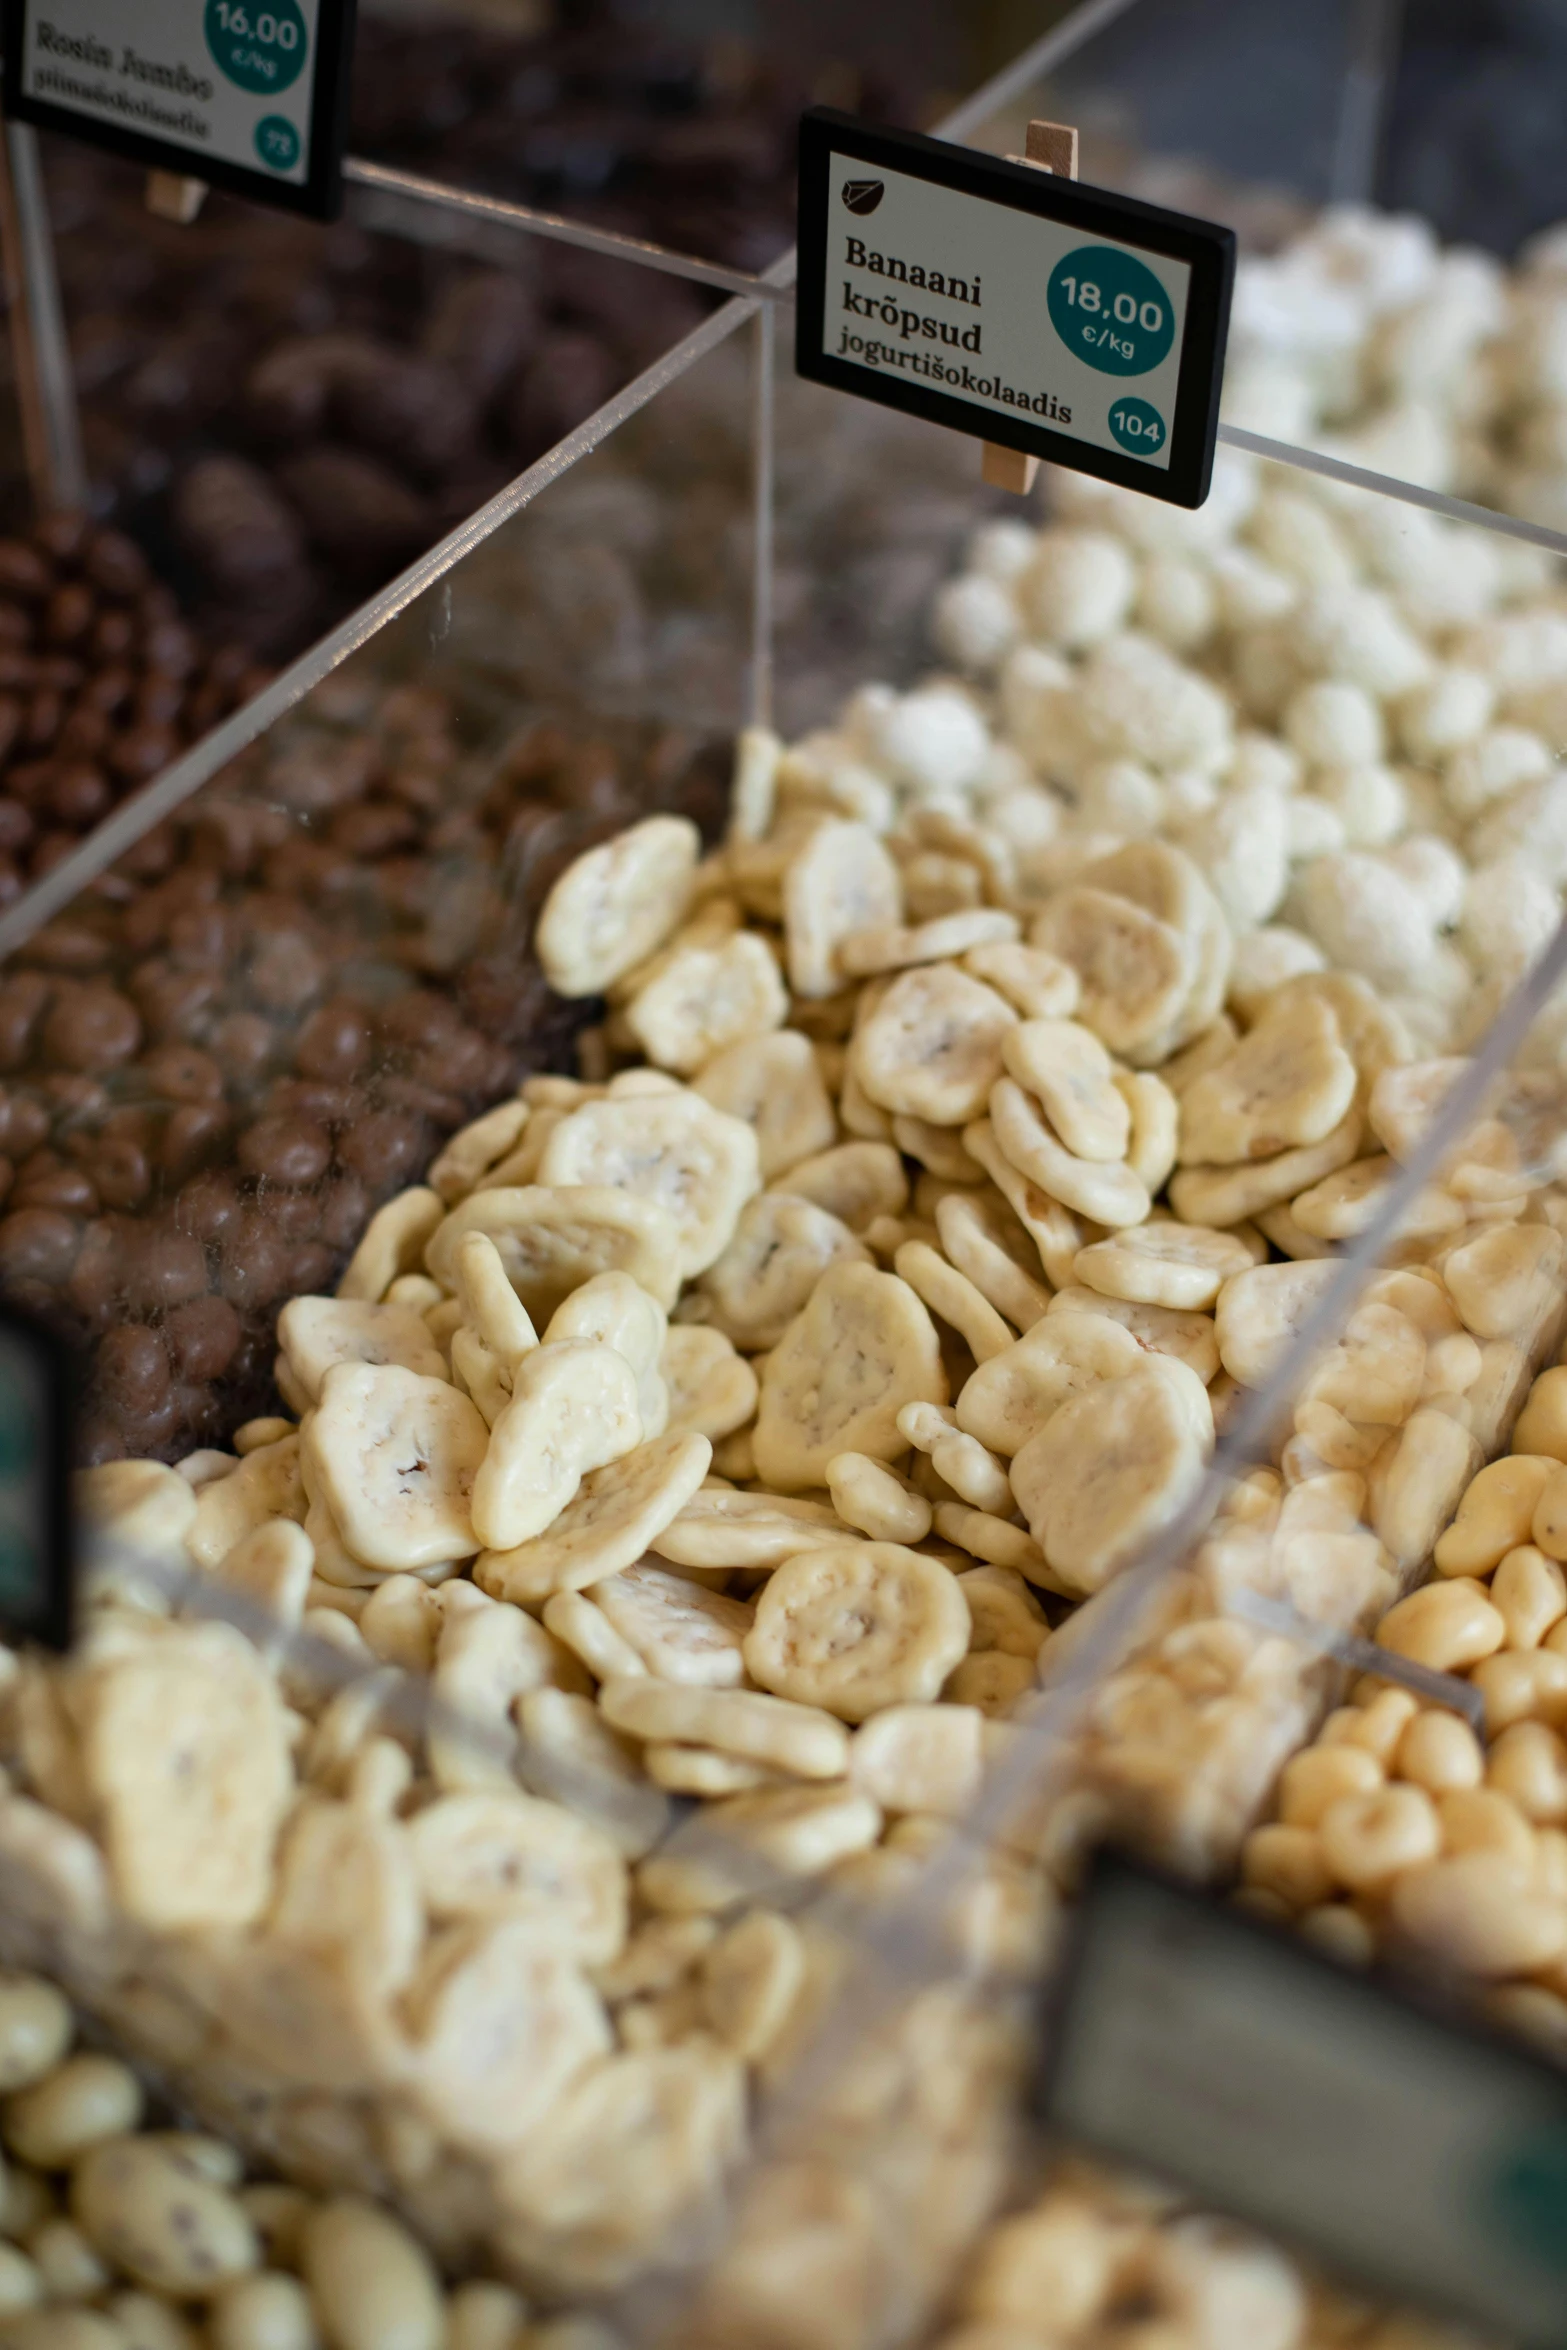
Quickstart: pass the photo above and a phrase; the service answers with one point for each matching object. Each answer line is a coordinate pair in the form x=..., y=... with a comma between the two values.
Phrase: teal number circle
x=1138, y=427
x=259, y=44
x=277, y=142
x=1110, y=310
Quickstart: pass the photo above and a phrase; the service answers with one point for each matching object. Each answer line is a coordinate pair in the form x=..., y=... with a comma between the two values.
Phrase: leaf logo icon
x=863, y=195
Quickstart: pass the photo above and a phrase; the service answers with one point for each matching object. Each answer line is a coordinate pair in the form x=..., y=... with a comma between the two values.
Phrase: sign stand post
x=45, y=385
x=1049, y=146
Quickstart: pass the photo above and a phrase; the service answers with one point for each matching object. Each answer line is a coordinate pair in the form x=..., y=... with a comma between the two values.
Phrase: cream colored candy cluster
x=117, y=2235
x=1400, y=1829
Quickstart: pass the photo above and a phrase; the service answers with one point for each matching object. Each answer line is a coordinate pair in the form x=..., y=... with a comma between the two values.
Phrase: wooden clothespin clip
x=1051, y=146
x=173, y=197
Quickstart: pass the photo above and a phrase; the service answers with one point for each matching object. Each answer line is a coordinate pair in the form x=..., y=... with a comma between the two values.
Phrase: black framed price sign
x=37, y=1552
x=1059, y=319
x=250, y=95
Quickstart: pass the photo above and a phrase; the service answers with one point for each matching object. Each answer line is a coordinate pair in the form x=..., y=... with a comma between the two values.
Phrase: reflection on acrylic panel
x=35, y=1551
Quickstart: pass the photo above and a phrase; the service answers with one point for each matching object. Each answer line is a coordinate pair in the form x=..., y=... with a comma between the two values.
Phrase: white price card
x=1416, y=2153
x=1063, y=320
x=249, y=95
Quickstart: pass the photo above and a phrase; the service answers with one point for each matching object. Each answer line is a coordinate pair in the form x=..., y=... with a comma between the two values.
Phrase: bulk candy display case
x=688, y=1407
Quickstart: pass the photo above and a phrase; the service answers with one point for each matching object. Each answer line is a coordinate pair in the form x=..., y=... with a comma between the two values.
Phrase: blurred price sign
x=1417, y=2154
x=250, y=95
x=37, y=1557
x=1060, y=320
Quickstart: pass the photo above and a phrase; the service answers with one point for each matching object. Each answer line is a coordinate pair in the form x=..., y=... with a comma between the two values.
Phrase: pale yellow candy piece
x=841, y=880
x=715, y=920
x=983, y=1238
x=486, y=1658
x=1508, y=1282
x=1134, y=970
x=266, y=1485
x=976, y=1474
x=1004, y=1615
x=1164, y=1332
x=675, y=1152
x=1374, y=1373
x=780, y=1249
x=135, y=1519
x=582, y=1626
x=1054, y=1230
x=802, y=1739
x=920, y=1758
x=875, y=1500
x=616, y=904
x=1010, y=1398
x=185, y=1761
x=617, y=1512
x=990, y=1680
x=774, y=1084
x=862, y=1348
x=1373, y=1033
x=268, y=1572
x=318, y=1332
x=551, y=1240
x=501, y=2021
x=594, y=2190
x=719, y=1528
x=856, y=1182
x=1163, y=1264
x=1107, y=1193
x=574, y=1408
x=712, y=1389
x=475, y=1148
x=1038, y=985
x=888, y=946
x=931, y=1048
x=706, y=998
x=401, y=1623
x=1155, y=1115
x=511, y=1855
x=681, y=1631
x=1108, y=1470
x=1479, y=1912
x=858, y=1627
x=494, y=1310
x=751, y=1978
x=616, y=1311
x=1260, y=1313
x=779, y=1833
x=394, y=1243
x=1404, y=1100
x=1225, y=1196
x=1342, y=1205
x=1068, y=1070
x=1288, y=1082
x=952, y=1296
x=998, y=1541
x=396, y=1458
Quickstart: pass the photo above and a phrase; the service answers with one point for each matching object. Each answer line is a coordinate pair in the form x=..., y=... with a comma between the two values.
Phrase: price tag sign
x=250, y=95
x=37, y=1555
x=1422, y=2157
x=1066, y=321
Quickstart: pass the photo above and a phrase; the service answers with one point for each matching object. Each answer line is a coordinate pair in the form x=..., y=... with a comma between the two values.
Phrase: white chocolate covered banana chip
x=1067, y=1069
x=616, y=1311
x=681, y=1631
x=1105, y=1473
x=931, y=1048
x=395, y=1456
x=719, y=1527
x=774, y=1083
x=616, y=1513
x=780, y=1248
x=841, y=880
x=1288, y=1083
x=316, y=1333
x=863, y=1347
x=1010, y=1398
x=858, y=1627
x=552, y=1239
x=712, y=1388
x=574, y=1407
x=673, y=1151
x=617, y=904
x=495, y=1855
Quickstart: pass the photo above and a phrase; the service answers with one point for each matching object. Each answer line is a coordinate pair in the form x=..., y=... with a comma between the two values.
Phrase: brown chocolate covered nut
x=133, y=1370
x=163, y=1268
x=334, y=1044
x=287, y=1150
x=37, y=1245
x=203, y=1337
x=91, y=1027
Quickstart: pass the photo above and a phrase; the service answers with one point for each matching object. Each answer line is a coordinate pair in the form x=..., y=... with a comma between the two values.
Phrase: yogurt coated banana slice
x=712, y=1389
x=501, y=2021
x=984, y=1239
x=617, y=1311
x=775, y=1084
x=1065, y=1066
x=1260, y=1312
x=672, y=1151
x=1135, y=971
x=267, y=1484
x=681, y=1631
x=858, y=1627
x=492, y=1306
x=707, y=997
x=931, y=1048
x=511, y=1855
x=617, y=904
x=318, y=1332
x=395, y=1457
x=551, y=1240
x=719, y=1527
x=1106, y=1193
x=781, y=1248
x=574, y=1407
x=857, y=1182
x=1159, y=1330
x=617, y=1512
x=840, y=881
x=1288, y=1082
x=1004, y=1616
x=863, y=1347
x=1104, y=1474
x=1164, y=1264
x=1010, y=1398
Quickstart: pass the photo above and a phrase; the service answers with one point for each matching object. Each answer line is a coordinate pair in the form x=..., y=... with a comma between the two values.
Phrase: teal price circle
x=260, y=45
x=1110, y=310
x=1138, y=427
x=277, y=142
